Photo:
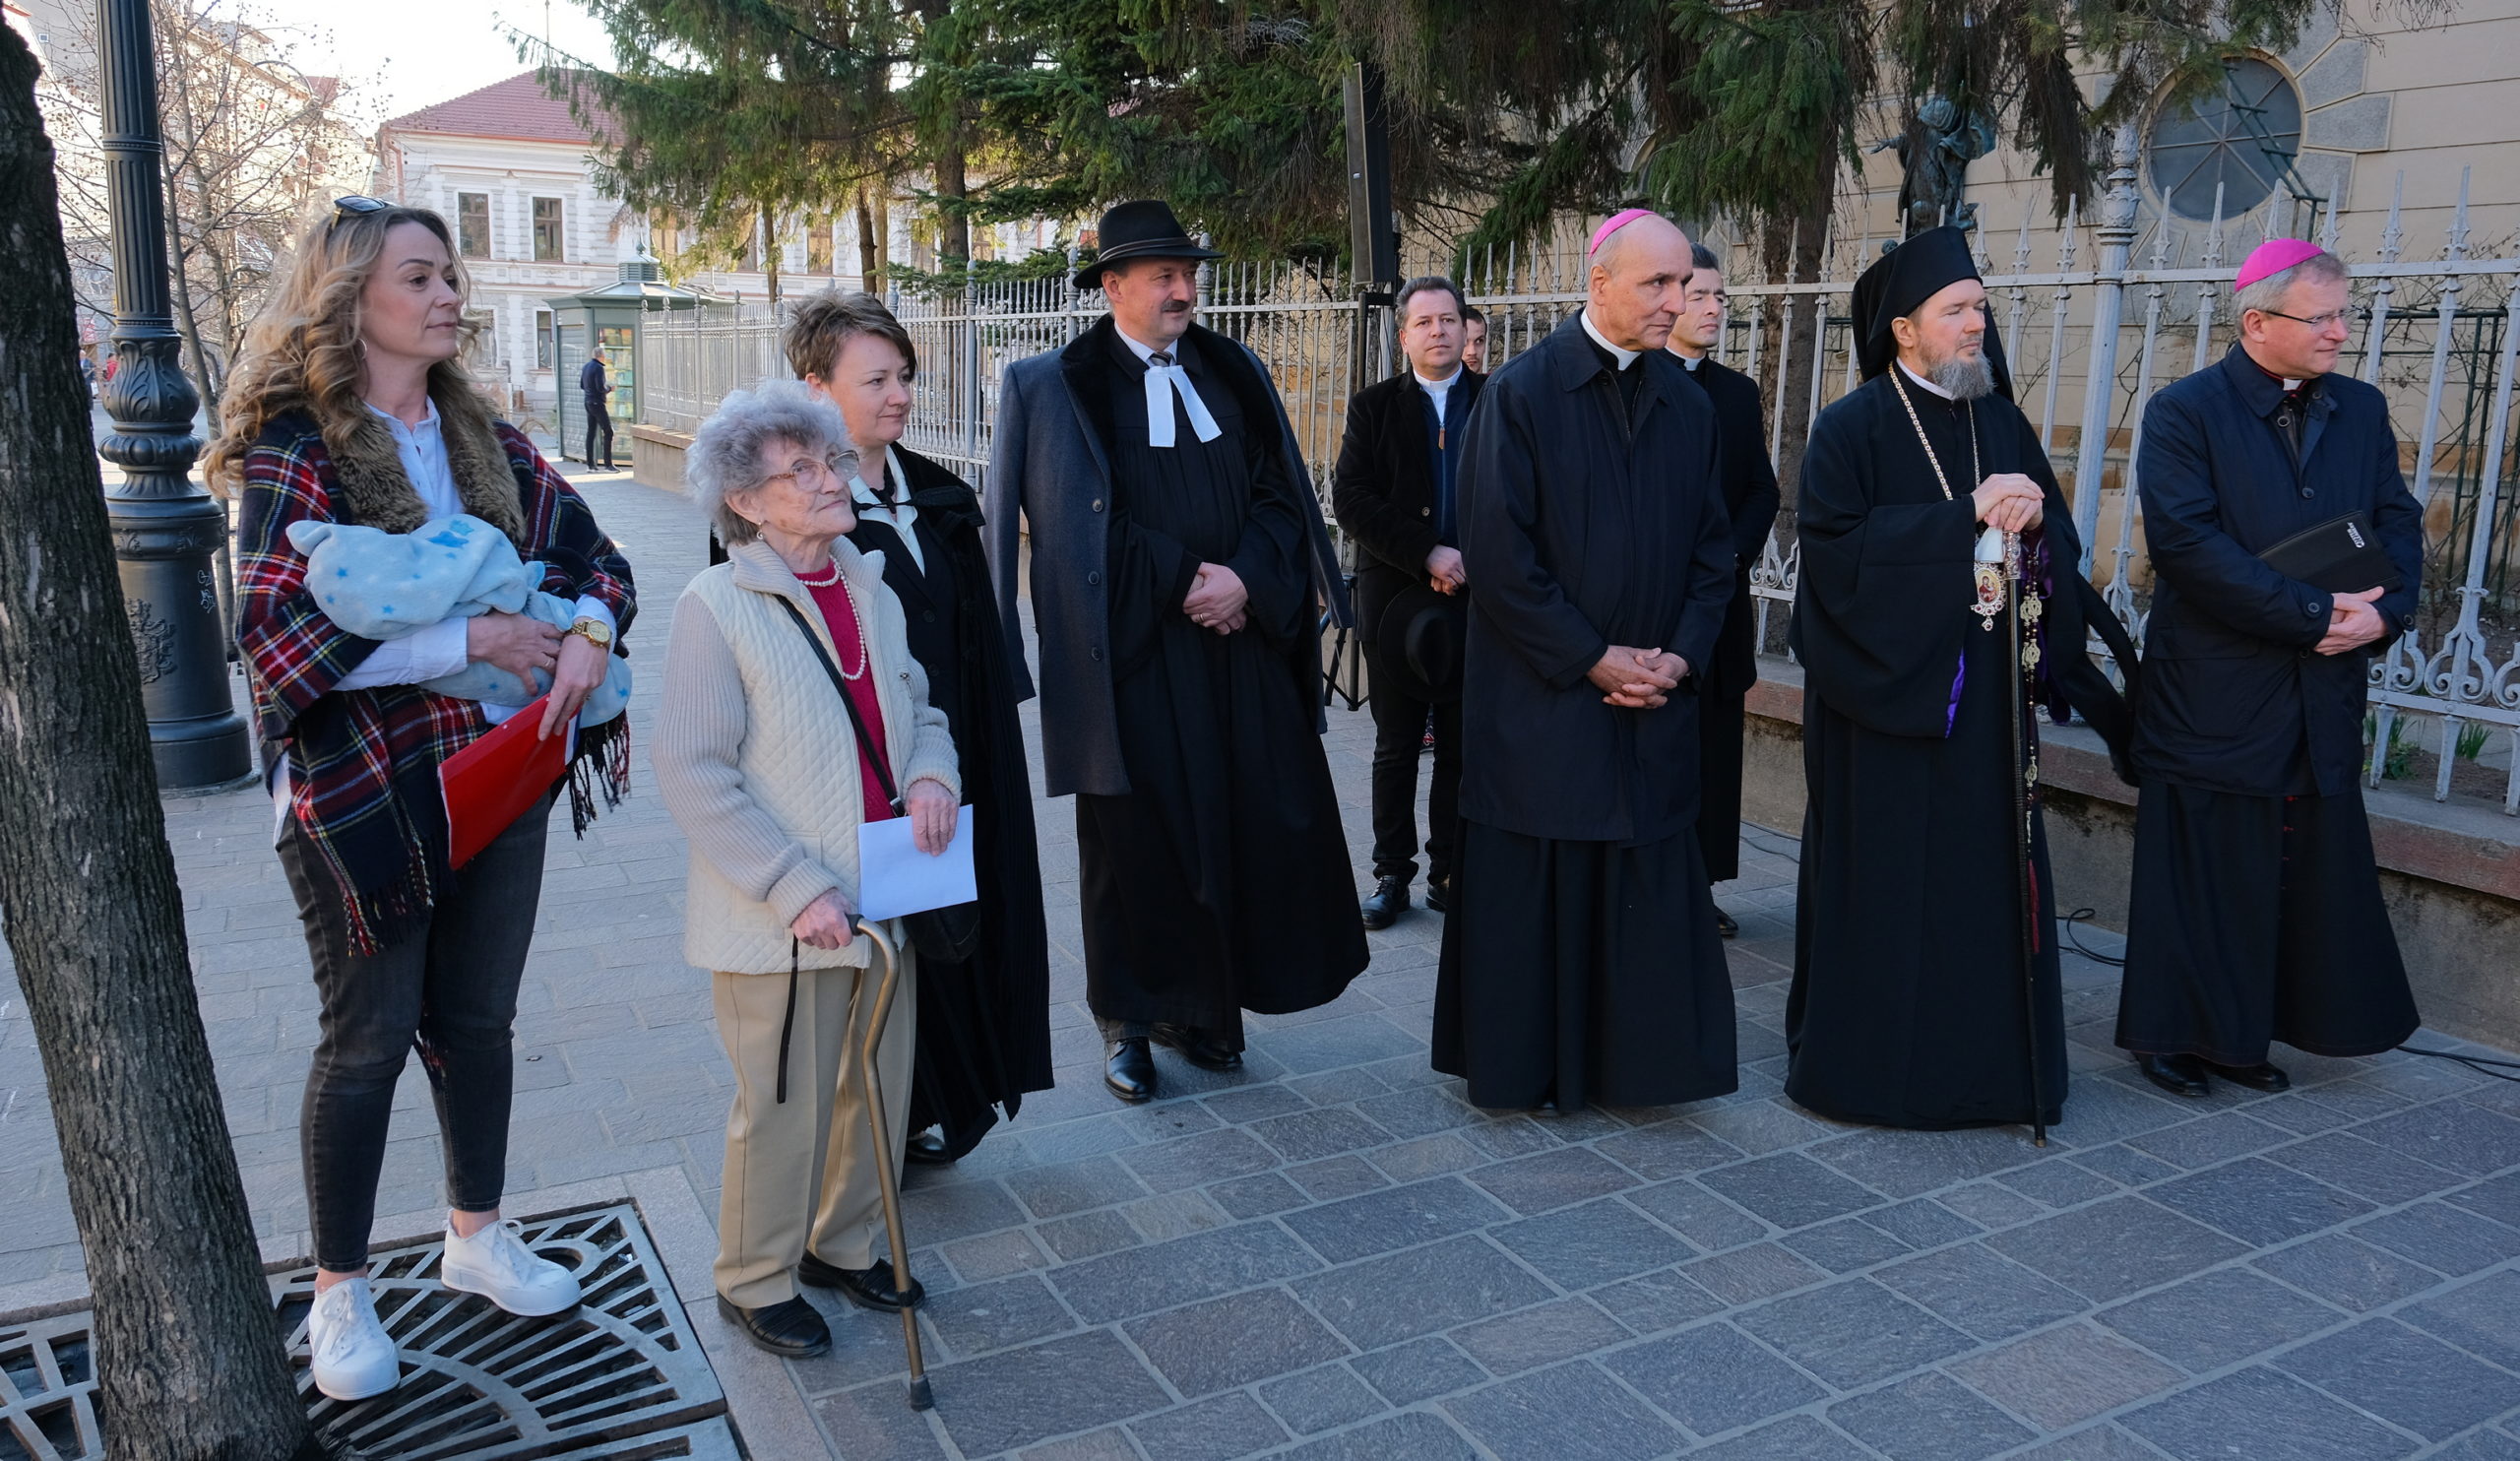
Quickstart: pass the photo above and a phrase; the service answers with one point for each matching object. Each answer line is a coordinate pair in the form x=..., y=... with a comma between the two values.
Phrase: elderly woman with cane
x=750, y=759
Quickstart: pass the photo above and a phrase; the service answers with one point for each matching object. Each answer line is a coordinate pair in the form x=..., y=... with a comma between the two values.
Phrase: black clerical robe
x=1910, y=1004
x=1751, y=500
x=984, y=1033
x=1219, y=881
x=2256, y=912
x=1580, y=961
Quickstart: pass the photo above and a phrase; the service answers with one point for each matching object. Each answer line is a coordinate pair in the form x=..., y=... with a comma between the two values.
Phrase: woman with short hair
x=764, y=767
x=349, y=405
x=984, y=1036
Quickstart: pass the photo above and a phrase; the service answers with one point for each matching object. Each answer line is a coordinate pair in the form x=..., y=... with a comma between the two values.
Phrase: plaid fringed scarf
x=362, y=764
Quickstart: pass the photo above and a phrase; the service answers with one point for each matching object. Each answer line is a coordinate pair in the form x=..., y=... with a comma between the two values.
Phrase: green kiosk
x=614, y=317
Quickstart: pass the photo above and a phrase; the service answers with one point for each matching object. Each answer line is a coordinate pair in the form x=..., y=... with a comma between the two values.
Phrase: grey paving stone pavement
x=1332, y=1255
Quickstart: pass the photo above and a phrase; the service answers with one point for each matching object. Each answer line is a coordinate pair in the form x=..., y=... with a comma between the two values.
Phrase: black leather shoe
x=2179, y=1075
x=1199, y=1047
x=928, y=1149
x=1725, y=925
x=2258, y=1077
x=1387, y=902
x=1130, y=1072
x=1439, y=894
x=870, y=1287
x=794, y=1328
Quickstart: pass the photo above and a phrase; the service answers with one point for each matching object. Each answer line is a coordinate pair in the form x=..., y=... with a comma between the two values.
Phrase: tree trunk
x=880, y=198
x=770, y=254
x=871, y=269
x=954, y=226
x=189, y=1360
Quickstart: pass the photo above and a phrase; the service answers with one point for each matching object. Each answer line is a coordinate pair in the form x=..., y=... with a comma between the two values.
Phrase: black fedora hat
x=1418, y=643
x=1142, y=229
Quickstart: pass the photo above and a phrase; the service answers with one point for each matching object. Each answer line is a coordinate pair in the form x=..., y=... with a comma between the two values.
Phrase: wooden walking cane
x=889, y=1180
x=2025, y=780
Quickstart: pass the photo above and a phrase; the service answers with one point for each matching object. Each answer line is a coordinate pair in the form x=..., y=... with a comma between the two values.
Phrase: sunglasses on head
x=355, y=204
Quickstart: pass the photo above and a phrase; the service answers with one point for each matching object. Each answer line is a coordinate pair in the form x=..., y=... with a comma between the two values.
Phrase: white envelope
x=894, y=877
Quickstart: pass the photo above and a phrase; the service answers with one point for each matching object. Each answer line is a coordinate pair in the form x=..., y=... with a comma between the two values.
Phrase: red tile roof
x=517, y=108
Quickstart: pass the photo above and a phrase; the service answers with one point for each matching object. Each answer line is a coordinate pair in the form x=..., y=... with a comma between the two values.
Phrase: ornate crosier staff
x=2023, y=611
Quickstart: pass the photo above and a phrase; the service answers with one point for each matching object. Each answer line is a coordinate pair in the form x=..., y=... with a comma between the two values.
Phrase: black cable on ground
x=2477, y=1063
x=2082, y=915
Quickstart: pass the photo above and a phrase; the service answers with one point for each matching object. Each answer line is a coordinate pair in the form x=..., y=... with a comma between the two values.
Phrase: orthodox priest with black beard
x=1179, y=567
x=1938, y=610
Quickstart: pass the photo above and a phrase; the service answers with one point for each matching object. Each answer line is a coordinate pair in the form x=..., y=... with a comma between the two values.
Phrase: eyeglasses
x=2316, y=321
x=821, y=469
x=354, y=205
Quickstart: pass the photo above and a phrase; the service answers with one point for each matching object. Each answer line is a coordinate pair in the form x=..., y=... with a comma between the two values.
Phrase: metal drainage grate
x=621, y=1376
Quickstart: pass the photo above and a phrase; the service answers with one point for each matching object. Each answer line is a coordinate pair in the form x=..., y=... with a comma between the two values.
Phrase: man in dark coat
x=1926, y=991
x=2256, y=912
x=1750, y=499
x=1178, y=560
x=1581, y=962
x=1394, y=495
x=594, y=384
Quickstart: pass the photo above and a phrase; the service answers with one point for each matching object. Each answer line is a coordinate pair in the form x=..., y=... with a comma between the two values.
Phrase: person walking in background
x=1751, y=500
x=349, y=405
x=759, y=762
x=594, y=383
x=1581, y=963
x=983, y=1029
x=1179, y=567
x=1394, y=493
x=2256, y=912
x=1474, y=339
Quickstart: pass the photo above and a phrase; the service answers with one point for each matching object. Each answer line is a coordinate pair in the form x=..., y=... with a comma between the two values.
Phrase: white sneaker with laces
x=496, y=1265
x=353, y=1357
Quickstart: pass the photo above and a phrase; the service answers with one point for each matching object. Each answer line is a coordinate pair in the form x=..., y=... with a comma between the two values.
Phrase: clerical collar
x=1688, y=362
x=1435, y=386
x=1621, y=360
x=1924, y=384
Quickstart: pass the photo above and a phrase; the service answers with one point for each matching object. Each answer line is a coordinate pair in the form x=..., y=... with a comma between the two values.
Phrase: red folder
x=490, y=783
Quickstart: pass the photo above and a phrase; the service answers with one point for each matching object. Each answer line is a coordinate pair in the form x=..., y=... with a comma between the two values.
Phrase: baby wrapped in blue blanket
x=380, y=585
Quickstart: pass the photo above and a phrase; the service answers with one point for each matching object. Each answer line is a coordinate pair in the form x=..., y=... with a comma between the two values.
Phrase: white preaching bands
x=1163, y=377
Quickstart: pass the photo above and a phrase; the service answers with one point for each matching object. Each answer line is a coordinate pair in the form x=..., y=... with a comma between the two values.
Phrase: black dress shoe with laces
x=1130, y=1072
x=871, y=1287
x=794, y=1329
x=2258, y=1077
x=2179, y=1075
x=1199, y=1047
x=1724, y=927
x=1439, y=894
x=1387, y=902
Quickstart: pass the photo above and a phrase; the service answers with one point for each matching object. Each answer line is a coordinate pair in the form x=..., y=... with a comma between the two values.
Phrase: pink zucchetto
x=2273, y=257
x=1612, y=224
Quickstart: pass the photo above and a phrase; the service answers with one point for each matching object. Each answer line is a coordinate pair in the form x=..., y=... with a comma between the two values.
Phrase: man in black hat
x=1394, y=495
x=1580, y=961
x=1750, y=498
x=1926, y=991
x=1178, y=560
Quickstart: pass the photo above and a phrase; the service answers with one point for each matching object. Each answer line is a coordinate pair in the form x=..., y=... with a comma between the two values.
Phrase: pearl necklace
x=855, y=613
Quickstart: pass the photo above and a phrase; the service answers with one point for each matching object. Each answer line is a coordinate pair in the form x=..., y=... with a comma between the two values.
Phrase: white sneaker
x=496, y=1265
x=353, y=1357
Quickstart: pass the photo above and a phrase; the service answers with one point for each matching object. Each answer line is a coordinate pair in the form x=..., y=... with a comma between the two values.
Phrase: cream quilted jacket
x=756, y=760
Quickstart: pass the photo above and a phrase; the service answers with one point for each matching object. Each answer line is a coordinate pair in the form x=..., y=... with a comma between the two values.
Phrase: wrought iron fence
x=2089, y=346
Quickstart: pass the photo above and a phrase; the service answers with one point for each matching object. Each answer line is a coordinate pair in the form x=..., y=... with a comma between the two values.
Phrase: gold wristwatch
x=594, y=631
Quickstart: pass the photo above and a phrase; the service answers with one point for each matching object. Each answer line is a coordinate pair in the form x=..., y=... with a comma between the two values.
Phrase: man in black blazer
x=1748, y=480
x=1393, y=492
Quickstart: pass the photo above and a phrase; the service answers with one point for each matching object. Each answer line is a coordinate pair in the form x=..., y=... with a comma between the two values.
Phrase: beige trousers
x=801, y=1175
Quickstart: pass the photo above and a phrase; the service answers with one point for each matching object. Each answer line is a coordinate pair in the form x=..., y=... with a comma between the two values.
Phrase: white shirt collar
x=1623, y=358
x=1688, y=362
x=428, y=418
x=1142, y=352
x=1437, y=388
x=1924, y=384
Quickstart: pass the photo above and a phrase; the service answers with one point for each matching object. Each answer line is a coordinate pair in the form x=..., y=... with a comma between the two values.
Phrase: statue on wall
x=1935, y=151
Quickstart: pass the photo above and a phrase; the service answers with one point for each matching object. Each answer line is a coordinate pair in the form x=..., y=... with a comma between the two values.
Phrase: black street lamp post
x=166, y=530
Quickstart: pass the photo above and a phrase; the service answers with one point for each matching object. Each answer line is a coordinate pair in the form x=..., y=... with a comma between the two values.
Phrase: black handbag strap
x=865, y=741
